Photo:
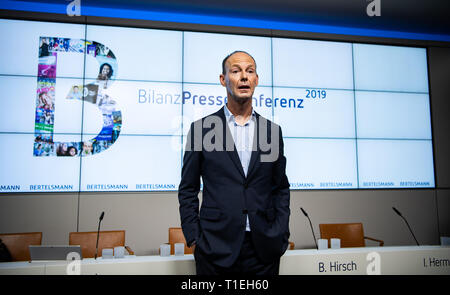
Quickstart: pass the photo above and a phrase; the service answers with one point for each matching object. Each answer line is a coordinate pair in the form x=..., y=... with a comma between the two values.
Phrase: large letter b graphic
x=93, y=93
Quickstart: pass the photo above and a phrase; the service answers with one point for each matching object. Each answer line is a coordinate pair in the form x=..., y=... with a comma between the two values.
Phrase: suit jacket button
x=245, y=185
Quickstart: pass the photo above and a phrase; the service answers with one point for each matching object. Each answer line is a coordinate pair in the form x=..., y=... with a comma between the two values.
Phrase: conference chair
x=291, y=245
x=176, y=236
x=107, y=239
x=351, y=234
x=17, y=244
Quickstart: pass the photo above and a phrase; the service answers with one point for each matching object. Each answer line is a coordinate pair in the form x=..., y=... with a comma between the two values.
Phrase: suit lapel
x=228, y=144
x=255, y=148
x=232, y=151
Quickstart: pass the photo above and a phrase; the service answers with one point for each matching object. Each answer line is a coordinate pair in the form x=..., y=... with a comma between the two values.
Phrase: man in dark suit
x=243, y=223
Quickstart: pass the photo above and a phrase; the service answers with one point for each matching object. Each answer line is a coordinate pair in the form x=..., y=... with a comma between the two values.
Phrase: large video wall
x=103, y=108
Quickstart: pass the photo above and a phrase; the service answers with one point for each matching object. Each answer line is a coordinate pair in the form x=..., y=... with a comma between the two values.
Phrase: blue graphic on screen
x=353, y=115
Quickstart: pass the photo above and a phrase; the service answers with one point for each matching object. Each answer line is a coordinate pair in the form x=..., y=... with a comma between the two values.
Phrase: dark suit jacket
x=228, y=196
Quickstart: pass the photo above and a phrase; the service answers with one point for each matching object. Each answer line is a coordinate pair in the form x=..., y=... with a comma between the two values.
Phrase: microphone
x=400, y=214
x=312, y=230
x=98, y=233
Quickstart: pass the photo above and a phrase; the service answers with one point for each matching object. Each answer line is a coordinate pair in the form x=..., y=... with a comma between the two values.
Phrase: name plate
x=414, y=260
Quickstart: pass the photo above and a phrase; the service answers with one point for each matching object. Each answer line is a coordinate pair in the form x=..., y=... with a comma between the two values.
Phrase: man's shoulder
x=266, y=122
x=215, y=115
x=220, y=114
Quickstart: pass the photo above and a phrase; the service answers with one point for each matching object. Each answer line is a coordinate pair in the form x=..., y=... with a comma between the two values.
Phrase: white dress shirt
x=243, y=140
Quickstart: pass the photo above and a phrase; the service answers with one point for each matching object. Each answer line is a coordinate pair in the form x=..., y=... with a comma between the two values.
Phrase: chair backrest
x=88, y=240
x=17, y=244
x=176, y=236
x=351, y=234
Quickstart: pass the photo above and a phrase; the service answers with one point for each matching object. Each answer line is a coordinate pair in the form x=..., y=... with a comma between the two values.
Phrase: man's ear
x=222, y=80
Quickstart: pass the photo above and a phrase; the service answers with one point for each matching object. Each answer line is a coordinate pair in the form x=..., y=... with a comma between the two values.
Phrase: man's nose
x=244, y=76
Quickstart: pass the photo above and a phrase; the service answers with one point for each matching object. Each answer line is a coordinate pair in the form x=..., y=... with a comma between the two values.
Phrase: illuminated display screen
x=102, y=108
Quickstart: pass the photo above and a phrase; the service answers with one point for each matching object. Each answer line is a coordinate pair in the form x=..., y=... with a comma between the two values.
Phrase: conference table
x=399, y=260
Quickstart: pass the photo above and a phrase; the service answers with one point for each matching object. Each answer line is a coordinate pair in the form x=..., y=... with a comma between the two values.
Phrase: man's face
x=240, y=77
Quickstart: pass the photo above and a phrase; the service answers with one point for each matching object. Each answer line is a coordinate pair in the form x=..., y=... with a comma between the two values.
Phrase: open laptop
x=55, y=252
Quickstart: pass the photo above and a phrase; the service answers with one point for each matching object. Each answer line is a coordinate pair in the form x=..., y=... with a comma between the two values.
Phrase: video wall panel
x=104, y=108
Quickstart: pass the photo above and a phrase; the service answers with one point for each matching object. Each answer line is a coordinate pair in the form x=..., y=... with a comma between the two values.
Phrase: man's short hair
x=229, y=55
